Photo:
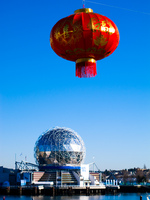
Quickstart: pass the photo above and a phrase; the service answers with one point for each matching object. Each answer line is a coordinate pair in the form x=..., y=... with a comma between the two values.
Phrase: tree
x=140, y=178
x=144, y=166
x=125, y=176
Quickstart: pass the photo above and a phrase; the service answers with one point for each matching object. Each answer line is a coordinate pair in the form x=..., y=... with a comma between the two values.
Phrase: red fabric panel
x=84, y=35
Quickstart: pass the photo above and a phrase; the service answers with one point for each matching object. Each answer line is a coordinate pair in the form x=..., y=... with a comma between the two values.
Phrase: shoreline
x=72, y=190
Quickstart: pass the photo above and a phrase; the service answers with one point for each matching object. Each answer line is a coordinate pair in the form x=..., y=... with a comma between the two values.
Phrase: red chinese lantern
x=84, y=37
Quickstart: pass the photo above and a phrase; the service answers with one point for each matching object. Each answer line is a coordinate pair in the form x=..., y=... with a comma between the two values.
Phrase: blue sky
x=39, y=90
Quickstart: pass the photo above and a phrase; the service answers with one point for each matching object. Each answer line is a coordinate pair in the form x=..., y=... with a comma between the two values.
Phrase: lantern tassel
x=86, y=68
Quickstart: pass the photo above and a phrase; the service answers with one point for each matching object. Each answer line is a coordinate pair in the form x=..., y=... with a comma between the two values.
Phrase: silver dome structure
x=59, y=146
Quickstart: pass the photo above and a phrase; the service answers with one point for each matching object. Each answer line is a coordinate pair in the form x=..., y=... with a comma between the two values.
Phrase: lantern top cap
x=85, y=10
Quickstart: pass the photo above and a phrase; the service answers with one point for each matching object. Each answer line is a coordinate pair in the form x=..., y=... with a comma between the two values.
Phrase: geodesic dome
x=59, y=146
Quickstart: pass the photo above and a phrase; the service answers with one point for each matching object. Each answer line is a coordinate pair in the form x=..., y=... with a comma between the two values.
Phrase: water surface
x=125, y=196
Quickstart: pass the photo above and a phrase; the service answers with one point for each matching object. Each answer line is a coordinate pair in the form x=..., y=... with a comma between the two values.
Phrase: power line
x=119, y=7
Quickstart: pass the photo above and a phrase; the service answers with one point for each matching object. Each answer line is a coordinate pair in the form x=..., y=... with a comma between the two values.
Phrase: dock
x=52, y=191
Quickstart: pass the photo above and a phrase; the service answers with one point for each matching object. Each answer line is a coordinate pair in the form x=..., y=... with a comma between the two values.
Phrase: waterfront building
x=7, y=176
x=60, y=154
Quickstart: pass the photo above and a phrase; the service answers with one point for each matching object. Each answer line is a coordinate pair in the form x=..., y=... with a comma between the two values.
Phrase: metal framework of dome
x=59, y=146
